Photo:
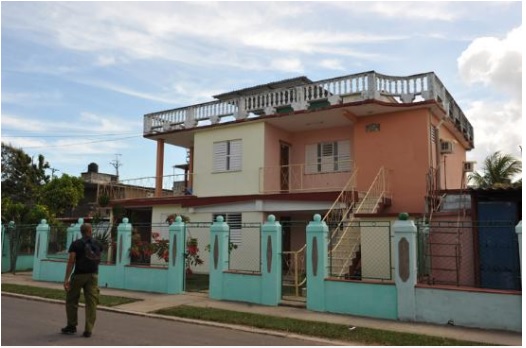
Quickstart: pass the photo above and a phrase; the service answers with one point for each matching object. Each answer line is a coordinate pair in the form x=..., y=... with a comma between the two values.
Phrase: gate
x=499, y=255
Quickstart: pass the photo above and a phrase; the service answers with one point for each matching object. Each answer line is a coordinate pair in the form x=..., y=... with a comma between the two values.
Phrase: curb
x=196, y=321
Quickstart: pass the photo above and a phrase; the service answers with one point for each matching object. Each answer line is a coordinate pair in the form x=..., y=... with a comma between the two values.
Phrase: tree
x=21, y=176
x=62, y=194
x=499, y=170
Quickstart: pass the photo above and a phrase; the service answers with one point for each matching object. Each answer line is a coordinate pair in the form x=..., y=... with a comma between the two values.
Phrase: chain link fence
x=464, y=253
x=245, y=252
x=361, y=250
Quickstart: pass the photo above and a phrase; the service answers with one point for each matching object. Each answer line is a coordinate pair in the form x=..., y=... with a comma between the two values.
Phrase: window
x=234, y=222
x=326, y=157
x=227, y=156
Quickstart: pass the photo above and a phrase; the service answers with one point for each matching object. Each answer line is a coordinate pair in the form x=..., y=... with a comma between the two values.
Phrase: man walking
x=84, y=257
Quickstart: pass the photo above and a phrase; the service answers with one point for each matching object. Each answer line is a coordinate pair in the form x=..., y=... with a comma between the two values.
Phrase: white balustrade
x=368, y=85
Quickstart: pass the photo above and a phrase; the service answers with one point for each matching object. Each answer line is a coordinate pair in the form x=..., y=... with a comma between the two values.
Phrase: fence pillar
x=405, y=266
x=219, y=233
x=176, y=259
x=7, y=238
x=73, y=232
x=271, y=269
x=14, y=239
x=518, y=230
x=124, y=232
x=4, y=262
x=317, y=263
x=41, y=248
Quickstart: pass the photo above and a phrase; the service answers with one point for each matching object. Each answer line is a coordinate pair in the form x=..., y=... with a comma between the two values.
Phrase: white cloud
x=333, y=64
x=179, y=31
x=497, y=127
x=425, y=10
x=494, y=62
x=33, y=98
x=287, y=64
x=88, y=123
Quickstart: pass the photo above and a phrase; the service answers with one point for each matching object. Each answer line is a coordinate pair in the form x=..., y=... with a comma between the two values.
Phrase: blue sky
x=77, y=77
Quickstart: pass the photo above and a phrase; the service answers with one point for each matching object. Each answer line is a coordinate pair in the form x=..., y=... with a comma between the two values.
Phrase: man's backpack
x=92, y=250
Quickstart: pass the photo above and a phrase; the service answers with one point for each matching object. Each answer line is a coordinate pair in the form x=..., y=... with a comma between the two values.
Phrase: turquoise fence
x=397, y=297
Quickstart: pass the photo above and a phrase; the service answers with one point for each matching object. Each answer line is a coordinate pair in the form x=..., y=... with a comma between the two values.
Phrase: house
x=360, y=146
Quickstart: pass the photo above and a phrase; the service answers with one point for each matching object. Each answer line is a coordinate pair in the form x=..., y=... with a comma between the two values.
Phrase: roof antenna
x=116, y=163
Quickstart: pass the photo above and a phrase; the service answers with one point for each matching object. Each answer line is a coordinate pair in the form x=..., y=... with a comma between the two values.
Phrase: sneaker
x=86, y=334
x=69, y=330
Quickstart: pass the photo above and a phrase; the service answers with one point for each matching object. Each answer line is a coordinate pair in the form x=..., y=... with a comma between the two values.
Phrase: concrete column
x=219, y=256
x=176, y=260
x=271, y=241
x=159, y=169
x=41, y=248
x=73, y=232
x=124, y=233
x=317, y=263
x=6, y=246
x=405, y=266
x=518, y=230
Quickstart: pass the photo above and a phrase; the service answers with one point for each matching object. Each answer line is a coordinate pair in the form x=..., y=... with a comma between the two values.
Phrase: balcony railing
x=364, y=86
x=301, y=178
x=173, y=185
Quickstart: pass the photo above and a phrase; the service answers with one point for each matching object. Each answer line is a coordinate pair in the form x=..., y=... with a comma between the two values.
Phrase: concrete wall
x=244, y=182
x=479, y=309
x=361, y=298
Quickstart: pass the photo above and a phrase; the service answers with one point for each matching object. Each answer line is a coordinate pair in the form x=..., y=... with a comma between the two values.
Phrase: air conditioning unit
x=469, y=166
x=446, y=146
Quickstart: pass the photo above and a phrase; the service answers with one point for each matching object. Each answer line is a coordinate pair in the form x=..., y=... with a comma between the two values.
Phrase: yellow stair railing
x=342, y=206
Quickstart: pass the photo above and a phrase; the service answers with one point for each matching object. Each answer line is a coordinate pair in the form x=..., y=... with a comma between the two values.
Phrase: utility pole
x=116, y=163
x=53, y=170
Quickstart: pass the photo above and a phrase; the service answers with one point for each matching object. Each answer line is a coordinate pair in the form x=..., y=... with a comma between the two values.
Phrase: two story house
x=362, y=146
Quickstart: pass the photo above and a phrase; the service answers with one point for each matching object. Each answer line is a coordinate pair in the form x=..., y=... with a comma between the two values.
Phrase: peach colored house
x=356, y=146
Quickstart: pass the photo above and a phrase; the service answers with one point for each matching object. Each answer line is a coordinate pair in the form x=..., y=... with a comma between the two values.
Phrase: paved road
x=30, y=323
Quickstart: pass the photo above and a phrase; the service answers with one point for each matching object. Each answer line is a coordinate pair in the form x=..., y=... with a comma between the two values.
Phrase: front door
x=284, y=161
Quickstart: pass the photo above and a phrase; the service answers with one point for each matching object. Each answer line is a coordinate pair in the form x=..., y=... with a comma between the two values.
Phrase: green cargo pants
x=88, y=283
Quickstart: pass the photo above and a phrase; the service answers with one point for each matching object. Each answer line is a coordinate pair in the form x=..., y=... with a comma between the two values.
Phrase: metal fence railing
x=246, y=256
x=464, y=253
x=366, y=251
x=22, y=237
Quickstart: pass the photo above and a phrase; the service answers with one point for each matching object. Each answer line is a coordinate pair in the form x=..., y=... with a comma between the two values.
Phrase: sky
x=78, y=77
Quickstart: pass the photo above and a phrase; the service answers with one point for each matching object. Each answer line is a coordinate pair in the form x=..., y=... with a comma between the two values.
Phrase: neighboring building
x=366, y=144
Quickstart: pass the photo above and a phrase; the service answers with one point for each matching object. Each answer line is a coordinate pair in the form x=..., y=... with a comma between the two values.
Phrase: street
x=30, y=323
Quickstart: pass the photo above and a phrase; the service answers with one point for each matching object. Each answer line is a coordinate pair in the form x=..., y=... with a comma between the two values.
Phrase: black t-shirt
x=83, y=263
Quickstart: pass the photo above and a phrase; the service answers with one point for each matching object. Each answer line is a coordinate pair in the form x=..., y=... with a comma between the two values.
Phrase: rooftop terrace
x=298, y=94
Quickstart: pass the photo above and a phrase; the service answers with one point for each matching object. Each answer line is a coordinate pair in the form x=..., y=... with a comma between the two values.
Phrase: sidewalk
x=153, y=301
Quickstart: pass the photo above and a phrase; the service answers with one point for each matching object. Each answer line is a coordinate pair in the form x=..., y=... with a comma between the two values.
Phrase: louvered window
x=227, y=156
x=234, y=222
x=328, y=157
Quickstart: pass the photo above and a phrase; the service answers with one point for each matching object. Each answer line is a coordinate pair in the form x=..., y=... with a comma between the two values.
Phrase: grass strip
x=313, y=328
x=56, y=294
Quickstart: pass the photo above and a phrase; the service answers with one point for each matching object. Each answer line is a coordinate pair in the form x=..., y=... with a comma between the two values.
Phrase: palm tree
x=498, y=171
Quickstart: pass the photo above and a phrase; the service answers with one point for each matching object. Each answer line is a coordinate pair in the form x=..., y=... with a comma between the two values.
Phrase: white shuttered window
x=234, y=222
x=326, y=157
x=227, y=156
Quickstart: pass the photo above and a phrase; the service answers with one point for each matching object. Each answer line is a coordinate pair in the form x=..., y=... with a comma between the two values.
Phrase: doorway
x=284, y=162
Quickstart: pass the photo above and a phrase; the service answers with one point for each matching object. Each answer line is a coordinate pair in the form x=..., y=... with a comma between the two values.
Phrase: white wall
x=469, y=308
x=244, y=182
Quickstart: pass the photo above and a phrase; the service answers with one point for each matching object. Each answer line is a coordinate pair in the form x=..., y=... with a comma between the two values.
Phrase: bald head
x=85, y=229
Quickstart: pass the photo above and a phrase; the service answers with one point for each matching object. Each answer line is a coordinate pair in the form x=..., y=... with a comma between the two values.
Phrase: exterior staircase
x=345, y=238
x=344, y=231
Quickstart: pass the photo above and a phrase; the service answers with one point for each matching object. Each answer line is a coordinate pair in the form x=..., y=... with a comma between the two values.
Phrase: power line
x=77, y=144
x=64, y=136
